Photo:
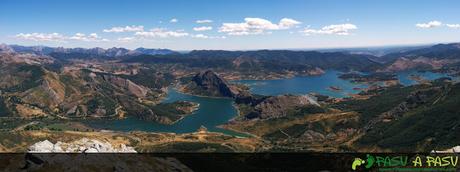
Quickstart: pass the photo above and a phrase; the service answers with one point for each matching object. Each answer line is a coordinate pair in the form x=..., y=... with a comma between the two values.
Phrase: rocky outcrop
x=93, y=162
x=79, y=146
x=278, y=106
x=129, y=86
x=208, y=83
x=455, y=149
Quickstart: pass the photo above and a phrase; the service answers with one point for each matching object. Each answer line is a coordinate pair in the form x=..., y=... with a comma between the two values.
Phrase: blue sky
x=236, y=24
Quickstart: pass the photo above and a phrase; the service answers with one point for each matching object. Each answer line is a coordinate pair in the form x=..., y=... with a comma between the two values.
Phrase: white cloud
x=132, y=28
x=339, y=29
x=203, y=21
x=287, y=23
x=93, y=37
x=126, y=39
x=255, y=26
x=202, y=36
x=430, y=24
x=202, y=28
x=41, y=36
x=455, y=26
x=162, y=33
x=59, y=37
x=174, y=20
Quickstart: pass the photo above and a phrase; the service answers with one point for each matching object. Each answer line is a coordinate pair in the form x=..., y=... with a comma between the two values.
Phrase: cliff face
x=208, y=83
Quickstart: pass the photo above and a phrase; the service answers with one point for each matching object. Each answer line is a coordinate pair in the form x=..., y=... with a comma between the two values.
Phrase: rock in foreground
x=79, y=146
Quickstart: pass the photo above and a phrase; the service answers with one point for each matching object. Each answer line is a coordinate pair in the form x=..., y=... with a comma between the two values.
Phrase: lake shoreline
x=216, y=112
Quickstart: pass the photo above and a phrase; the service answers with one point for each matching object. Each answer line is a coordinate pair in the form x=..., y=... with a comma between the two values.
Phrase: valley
x=230, y=101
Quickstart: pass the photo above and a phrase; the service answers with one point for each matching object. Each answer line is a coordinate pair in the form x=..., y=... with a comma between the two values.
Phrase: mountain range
x=110, y=52
x=424, y=57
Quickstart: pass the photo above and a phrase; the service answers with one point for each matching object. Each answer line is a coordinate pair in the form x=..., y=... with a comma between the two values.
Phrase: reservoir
x=211, y=113
x=217, y=111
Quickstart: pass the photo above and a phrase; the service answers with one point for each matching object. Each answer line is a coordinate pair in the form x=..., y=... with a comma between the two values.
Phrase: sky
x=229, y=25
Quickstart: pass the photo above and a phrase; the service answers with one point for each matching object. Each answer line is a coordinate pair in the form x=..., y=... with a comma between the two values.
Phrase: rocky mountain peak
x=213, y=85
x=207, y=77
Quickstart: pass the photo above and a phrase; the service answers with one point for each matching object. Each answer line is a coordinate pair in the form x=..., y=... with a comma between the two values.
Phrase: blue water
x=304, y=85
x=404, y=77
x=211, y=113
x=217, y=111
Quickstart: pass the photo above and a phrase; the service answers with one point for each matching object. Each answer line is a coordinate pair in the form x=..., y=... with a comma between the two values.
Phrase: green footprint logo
x=357, y=162
x=370, y=161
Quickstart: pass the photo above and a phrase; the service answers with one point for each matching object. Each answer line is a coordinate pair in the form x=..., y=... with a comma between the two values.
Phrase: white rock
x=455, y=149
x=57, y=147
x=83, y=145
x=43, y=146
x=91, y=150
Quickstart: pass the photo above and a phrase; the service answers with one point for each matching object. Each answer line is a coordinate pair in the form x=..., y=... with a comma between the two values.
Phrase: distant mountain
x=375, y=51
x=434, y=57
x=154, y=51
x=111, y=52
x=5, y=48
x=269, y=60
x=439, y=51
x=39, y=50
x=265, y=62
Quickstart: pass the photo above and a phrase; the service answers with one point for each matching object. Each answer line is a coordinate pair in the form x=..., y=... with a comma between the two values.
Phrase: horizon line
x=258, y=49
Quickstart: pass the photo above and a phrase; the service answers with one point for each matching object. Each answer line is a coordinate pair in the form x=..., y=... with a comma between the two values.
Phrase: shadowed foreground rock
x=90, y=162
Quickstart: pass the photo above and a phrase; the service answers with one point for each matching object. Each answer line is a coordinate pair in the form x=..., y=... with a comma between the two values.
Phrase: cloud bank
x=431, y=24
x=202, y=28
x=454, y=26
x=255, y=26
x=338, y=29
x=203, y=21
x=132, y=28
x=161, y=33
x=57, y=37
